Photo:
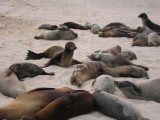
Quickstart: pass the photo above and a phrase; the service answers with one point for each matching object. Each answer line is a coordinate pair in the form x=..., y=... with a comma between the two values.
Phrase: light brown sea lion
x=112, y=60
x=58, y=34
x=48, y=27
x=23, y=70
x=153, y=39
x=116, y=107
x=103, y=83
x=31, y=102
x=75, y=26
x=65, y=107
x=10, y=85
x=65, y=58
x=145, y=90
x=126, y=71
x=86, y=71
x=113, y=50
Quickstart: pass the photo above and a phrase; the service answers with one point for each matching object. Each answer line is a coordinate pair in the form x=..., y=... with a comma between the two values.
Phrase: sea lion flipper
x=76, y=62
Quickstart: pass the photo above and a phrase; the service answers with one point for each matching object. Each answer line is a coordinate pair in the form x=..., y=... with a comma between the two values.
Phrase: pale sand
x=19, y=20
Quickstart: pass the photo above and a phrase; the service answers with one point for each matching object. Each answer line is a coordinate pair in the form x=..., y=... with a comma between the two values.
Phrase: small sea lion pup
x=153, y=39
x=103, y=83
x=58, y=34
x=145, y=90
x=10, y=85
x=23, y=70
x=65, y=107
x=64, y=58
x=94, y=28
x=86, y=71
x=112, y=60
x=75, y=26
x=33, y=101
x=48, y=27
x=126, y=71
x=116, y=107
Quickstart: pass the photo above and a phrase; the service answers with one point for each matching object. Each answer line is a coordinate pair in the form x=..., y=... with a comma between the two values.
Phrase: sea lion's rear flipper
x=34, y=56
x=51, y=73
x=76, y=62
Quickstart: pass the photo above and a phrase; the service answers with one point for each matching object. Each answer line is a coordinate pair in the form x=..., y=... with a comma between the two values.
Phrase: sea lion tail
x=33, y=56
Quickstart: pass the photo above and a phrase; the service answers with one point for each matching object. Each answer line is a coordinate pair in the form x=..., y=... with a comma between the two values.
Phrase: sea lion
x=128, y=55
x=103, y=83
x=31, y=102
x=141, y=42
x=58, y=34
x=65, y=107
x=86, y=71
x=146, y=90
x=116, y=107
x=88, y=25
x=113, y=50
x=74, y=26
x=49, y=53
x=48, y=27
x=10, y=84
x=148, y=23
x=23, y=70
x=126, y=71
x=112, y=60
x=95, y=29
x=153, y=39
x=65, y=58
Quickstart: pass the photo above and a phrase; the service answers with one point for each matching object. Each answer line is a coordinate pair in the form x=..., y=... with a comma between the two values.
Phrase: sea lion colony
x=72, y=101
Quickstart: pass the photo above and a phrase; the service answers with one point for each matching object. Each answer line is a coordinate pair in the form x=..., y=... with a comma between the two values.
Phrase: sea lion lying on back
x=86, y=71
x=146, y=90
x=23, y=70
x=33, y=101
x=126, y=71
x=65, y=107
x=64, y=58
x=58, y=34
x=116, y=107
x=103, y=83
x=112, y=60
x=48, y=27
x=10, y=84
x=75, y=26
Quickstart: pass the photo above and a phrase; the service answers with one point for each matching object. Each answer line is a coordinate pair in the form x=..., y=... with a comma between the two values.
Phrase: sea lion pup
x=65, y=107
x=146, y=90
x=10, y=85
x=153, y=39
x=23, y=70
x=141, y=42
x=31, y=102
x=126, y=71
x=103, y=83
x=64, y=58
x=75, y=26
x=88, y=25
x=58, y=34
x=128, y=55
x=86, y=71
x=113, y=60
x=48, y=27
x=148, y=23
x=116, y=107
x=113, y=50
x=49, y=53
x=94, y=28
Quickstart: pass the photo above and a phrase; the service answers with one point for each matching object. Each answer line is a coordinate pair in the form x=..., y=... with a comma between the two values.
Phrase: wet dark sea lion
x=31, y=102
x=86, y=71
x=75, y=26
x=113, y=60
x=126, y=71
x=23, y=70
x=48, y=27
x=10, y=84
x=116, y=107
x=64, y=58
x=146, y=90
x=65, y=107
x=58, y=34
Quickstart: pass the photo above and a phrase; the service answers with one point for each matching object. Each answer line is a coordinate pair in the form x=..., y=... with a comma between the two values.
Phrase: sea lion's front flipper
x=76, y=62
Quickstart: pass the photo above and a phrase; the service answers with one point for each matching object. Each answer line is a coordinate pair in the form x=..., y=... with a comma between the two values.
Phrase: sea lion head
x=143, y=15
x=76, y=80
x=70, y=46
